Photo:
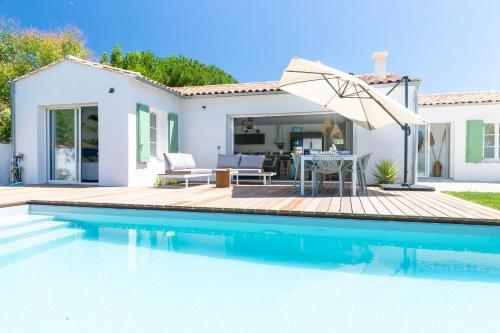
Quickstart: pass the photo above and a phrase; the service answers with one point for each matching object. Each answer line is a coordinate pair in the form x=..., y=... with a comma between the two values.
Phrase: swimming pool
x=71, y=269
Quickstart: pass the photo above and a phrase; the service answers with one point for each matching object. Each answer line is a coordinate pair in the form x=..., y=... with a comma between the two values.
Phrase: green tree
x=5, y=128
x=174, y=71
x=24, y=50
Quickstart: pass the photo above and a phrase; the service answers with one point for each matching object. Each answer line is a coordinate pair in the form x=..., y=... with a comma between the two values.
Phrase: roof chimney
x=379, y=64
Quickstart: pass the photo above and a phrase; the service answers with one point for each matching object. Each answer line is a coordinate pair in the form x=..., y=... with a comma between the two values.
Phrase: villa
x=114, y=112
x=145, y=258
x=110, y=114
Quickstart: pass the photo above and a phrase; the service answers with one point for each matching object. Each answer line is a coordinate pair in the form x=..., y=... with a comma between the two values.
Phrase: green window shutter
x=142, y=133
x=173, y=133
x=475, y=137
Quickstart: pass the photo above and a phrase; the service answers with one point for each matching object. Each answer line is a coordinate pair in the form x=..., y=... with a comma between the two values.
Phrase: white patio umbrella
x=345, y=94
x=349, y=96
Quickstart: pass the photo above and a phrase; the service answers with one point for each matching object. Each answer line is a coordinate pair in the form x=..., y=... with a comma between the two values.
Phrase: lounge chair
x=183, y=167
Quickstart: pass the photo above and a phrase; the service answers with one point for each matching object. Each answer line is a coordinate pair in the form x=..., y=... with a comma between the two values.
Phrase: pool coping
x=373, y=217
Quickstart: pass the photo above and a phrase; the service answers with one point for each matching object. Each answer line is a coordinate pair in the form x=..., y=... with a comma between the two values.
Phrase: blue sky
x=450, y=45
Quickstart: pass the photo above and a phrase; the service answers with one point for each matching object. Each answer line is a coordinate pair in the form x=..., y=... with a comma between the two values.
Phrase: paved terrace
x=258, y=199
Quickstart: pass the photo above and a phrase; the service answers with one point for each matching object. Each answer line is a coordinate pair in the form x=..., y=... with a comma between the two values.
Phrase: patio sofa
x=182, y=166
x=246, y=165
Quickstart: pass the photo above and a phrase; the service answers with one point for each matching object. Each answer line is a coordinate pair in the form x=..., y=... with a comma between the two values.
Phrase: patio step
x=34, y=245
x=29, y=229
x=23, y=219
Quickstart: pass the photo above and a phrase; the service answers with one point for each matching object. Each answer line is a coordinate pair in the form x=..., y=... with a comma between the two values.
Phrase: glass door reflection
x=63, y=145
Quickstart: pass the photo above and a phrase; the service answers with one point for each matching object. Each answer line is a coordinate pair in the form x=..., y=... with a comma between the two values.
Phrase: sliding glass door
x=423, y=150
x=63, y=145
x=89, y=144
x=73, y=144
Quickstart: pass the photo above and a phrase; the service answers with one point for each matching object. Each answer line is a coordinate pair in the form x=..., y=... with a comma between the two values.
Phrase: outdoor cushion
x=167, y=165
x=175, y=161
x=249, y=171
x=190, y=172
x=228, y=161
x=188, y=161
x=251, y=162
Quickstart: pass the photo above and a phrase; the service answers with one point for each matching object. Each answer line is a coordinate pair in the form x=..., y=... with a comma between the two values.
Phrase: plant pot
x=436, y=171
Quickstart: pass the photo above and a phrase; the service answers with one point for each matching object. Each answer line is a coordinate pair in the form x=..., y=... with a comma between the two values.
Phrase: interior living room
x=279, y=136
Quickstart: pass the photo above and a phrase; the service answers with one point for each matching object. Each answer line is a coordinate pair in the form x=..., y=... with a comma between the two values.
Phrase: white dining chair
x=327, y=164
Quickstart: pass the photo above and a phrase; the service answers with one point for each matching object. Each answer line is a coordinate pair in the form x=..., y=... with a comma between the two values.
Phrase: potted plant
x=386, y=172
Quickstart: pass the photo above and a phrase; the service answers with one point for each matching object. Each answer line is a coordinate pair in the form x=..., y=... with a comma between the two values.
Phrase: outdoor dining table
x=354, y=177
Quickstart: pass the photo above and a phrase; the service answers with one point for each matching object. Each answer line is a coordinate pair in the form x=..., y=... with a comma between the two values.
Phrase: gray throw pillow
x=228, y=161
x=252, y=161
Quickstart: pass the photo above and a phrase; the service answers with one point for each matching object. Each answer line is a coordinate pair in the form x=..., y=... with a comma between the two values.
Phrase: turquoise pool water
x=69, y=269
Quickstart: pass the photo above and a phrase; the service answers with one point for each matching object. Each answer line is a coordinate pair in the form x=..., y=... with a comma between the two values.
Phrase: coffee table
x=223, y=177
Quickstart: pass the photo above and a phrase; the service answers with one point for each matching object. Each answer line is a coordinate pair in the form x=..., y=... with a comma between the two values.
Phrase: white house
x=78, y=121
x=463, y=134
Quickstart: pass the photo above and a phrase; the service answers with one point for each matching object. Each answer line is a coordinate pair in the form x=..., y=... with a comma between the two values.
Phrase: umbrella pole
x=406, y=129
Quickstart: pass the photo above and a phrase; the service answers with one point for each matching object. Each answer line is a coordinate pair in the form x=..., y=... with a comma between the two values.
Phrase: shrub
x=160, y=182
x=386, y=172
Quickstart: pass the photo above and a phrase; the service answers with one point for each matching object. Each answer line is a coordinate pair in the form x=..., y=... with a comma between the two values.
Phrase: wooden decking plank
x=277, y=197
x=438, y=210
x=377, y=203
x=453, y=201
x=357, y=206
x=403, y=206
x=420, y=207
x=345, y=205
x=468, y=209
x=368, y=207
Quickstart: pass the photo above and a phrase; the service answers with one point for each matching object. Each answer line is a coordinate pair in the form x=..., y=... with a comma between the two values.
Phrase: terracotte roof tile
x=476, y=97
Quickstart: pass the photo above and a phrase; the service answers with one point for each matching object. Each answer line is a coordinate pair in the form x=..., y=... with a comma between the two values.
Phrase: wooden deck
x=258, y=199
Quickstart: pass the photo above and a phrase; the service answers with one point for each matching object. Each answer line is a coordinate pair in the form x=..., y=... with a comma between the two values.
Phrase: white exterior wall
x=388, y=142
x=203, y=131
x=4, y=163
x=69, y=84
x=162, y=103
x=457, y=116
x=73, y=84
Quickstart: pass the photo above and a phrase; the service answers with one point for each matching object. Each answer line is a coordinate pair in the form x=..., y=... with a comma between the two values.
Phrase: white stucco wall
x=73, y=84
x=162, y=103
x=203, y=131
x=69, y=84
x=4, y=163
x=457, y=116
x=388, y=142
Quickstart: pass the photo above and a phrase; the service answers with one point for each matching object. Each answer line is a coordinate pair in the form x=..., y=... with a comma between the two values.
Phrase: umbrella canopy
x=345, y=94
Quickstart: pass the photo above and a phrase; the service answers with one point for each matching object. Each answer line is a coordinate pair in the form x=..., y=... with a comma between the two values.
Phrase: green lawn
x=490, y=199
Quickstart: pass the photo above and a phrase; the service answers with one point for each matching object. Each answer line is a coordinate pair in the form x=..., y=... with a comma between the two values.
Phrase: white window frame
x=48, y=134
x=156, y=134
x=496, y=146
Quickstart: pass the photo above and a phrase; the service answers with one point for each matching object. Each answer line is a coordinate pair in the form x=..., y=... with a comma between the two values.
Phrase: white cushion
x=175, y=161
x=191, y=172
x=249, y=171
x=188, y=161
